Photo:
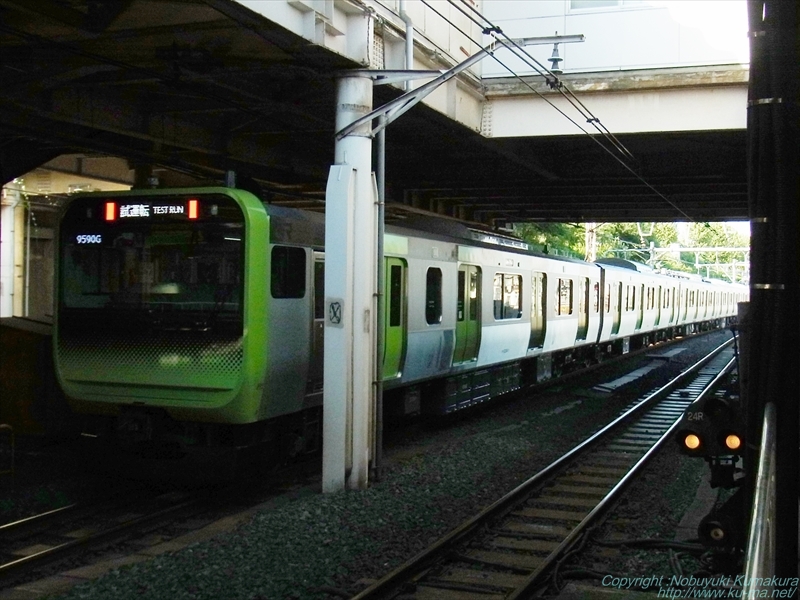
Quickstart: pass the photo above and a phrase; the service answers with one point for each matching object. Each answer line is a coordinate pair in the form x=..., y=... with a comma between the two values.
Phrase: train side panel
x=432, y=277
x=506, y=308
x=289, y=329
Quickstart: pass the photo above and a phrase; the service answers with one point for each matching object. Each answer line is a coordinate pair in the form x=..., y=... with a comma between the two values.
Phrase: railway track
x=32, y=544
x=508, y=550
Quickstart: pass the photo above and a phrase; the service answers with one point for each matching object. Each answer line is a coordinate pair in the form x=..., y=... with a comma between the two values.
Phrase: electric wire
x=505, y=66
x=521, y=53
x=560, y=86
x=556, y=84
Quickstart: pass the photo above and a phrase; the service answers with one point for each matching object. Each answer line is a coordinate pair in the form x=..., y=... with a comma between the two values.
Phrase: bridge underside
x=201, y=87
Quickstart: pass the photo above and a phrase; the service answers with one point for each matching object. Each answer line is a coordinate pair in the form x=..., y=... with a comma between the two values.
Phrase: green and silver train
x=195, y=316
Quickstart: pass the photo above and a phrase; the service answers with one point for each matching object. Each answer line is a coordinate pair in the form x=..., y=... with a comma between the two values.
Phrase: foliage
x=643, y=243
x=564, y=239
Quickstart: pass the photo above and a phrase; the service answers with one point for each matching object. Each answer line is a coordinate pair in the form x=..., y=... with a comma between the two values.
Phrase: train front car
x=159, y=335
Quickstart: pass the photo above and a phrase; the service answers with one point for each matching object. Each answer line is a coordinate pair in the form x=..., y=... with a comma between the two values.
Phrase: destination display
x=189, y=209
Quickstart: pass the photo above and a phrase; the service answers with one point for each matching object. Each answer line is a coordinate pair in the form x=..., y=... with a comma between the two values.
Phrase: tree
x=638, y=242
x=565, y=239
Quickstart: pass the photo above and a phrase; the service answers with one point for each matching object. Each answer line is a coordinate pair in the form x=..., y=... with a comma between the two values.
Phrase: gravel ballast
x=315, y=546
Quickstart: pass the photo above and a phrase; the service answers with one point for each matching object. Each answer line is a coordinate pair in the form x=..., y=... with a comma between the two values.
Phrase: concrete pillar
x=350, y=251
x=8, y=246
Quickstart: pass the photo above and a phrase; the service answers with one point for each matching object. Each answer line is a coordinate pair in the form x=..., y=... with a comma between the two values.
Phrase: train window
x=433, y=296
x=462, y=288
x=538, y=310
x=288, y=272
x=319, y=290
x=395, y=295
x=474, y=286
x=596, y=298
x=507, y=296
x=608, y=298
x=583, y=296
x=564, y=299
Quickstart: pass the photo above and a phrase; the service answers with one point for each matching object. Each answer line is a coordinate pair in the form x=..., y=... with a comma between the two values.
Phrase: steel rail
x=35, y=520
x=536, y=577
x=74, y=510
x=16, y=567
x=760, y=556
x=427, y=557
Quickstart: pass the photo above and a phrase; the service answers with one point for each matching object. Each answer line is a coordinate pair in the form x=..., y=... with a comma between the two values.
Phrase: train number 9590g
x=89, y=239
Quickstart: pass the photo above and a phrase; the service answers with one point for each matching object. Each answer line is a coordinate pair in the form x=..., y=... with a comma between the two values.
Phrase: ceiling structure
x=195, y=88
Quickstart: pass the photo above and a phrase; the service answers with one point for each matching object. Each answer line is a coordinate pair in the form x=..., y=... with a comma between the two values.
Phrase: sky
x=723, y=22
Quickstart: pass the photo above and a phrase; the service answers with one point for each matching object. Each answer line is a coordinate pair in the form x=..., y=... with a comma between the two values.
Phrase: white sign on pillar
x=350, y=255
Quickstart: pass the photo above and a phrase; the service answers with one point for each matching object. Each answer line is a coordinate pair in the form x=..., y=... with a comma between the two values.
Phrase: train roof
x=624, y=263
x=460, y=233
x=291, y=225
x=296, y=226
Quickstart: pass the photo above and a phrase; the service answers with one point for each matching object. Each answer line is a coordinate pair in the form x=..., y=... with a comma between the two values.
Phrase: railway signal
x=713, y=428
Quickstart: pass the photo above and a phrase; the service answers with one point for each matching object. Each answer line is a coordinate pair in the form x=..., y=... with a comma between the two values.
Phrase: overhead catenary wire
x=505, y=66
x=555, y=83
x=490, y=28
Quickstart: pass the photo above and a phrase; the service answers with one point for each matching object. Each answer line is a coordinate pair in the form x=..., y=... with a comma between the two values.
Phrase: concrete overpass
x=199, y=87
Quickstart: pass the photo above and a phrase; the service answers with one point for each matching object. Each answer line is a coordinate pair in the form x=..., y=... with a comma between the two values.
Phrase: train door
x=315, y=367
x=657, y=300
x=686, y=305
x=538, y=310
x=583, y=308
x=468, y=317
x=616, y=306
x=640, y=315
x=672, y=295
x=394, y=340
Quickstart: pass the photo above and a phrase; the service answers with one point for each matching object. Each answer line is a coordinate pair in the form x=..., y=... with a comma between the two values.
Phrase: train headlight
x=691, y=441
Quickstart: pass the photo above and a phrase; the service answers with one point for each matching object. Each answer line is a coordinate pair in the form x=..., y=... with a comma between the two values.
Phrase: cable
x=505, y=66
x=521, y=53
x=555, y=84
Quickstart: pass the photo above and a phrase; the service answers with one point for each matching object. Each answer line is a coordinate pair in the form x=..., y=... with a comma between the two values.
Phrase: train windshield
x=166, y=263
